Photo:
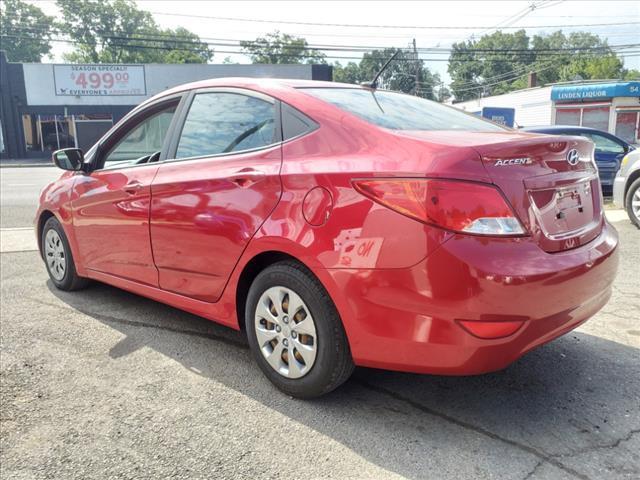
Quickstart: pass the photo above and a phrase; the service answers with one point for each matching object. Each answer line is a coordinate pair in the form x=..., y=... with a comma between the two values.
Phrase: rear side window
x=398, y=111
x=604, y=144
x=221, y=122
x=295, y=123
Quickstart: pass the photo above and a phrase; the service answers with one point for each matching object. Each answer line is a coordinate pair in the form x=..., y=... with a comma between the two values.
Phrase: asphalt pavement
x=105, y=384
x=19, y=192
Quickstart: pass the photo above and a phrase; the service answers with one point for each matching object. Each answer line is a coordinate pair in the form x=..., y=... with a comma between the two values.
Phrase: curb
x=25, y=165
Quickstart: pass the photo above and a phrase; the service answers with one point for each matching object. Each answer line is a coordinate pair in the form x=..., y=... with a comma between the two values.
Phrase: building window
x=627, y=126
x=596, y=117
x=45, y=133
x=568, y=116
x=586, y=116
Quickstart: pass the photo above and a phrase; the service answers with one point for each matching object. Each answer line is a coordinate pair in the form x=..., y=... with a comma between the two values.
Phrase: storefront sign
x=503, y=116
x=99, y=80
x=595, y=91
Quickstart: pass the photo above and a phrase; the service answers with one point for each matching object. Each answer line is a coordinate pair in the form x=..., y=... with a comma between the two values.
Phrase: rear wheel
x=58, y=258
x=632, y=202
x=295, y=332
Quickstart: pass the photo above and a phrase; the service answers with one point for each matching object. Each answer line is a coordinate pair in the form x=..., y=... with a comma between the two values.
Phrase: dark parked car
x=609, y=149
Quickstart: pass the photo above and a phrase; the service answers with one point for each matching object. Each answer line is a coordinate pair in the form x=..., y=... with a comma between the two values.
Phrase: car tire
x=58, y=257
x=304, y=359
x=633, y=196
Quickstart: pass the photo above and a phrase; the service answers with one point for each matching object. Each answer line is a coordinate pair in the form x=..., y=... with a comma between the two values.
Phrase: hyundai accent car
x=337, y=226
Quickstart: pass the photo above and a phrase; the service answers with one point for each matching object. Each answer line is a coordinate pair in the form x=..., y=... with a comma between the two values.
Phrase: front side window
x=398, y=111
x=143, y=140
x=220, y=122
x=604, y=144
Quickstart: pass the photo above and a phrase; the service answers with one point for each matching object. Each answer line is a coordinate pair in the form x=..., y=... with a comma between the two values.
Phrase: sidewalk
x=26, y=162
x=18, y=239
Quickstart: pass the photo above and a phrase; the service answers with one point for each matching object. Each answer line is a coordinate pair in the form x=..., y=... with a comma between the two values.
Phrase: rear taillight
x=460, y=206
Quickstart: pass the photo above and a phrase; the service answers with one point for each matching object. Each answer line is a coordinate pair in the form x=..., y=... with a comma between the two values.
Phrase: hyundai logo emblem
x=573, y=156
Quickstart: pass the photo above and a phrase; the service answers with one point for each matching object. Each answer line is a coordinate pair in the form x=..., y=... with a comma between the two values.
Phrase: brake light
x=466, y=207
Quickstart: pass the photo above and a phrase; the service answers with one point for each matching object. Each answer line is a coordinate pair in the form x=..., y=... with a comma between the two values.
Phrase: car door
x=220, y=186
x=111, y=203
x=608, y=155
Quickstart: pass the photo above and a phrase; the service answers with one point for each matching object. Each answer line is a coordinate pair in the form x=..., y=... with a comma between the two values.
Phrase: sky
x=396, y=23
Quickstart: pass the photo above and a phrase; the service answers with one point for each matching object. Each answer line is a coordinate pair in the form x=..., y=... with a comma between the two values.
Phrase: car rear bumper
x=618, y=191
x=409, y=319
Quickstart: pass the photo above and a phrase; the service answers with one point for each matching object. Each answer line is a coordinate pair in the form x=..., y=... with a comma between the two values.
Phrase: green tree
x=406, y=73
x=279, y=47
x=608, y=66
x=475, y=66
x=350, y=73
x=582, y=54
x=116, y=31
x=631, y=74
x=25, y=31
x=499, y=62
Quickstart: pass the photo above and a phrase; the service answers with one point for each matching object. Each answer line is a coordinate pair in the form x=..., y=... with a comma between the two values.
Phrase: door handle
x=133, y=187
x=246, y=177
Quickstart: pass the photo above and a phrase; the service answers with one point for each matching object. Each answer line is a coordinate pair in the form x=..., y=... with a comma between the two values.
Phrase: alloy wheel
x=635, y=204
x=55, y=255
x=286, y=332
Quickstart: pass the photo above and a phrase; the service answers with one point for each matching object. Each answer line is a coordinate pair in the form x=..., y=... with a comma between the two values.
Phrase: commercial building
x=612, y=106
x=50, y=106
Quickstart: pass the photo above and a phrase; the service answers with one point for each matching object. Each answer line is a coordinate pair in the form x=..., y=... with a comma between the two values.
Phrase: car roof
x=256, y=83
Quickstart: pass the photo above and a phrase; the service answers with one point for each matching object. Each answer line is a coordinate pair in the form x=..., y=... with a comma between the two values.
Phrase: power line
x=485, y=85
x=511, y=20
x=194, y=48
x=172, y=39
x=129, y=45
x=406, y=36
x=350, y=25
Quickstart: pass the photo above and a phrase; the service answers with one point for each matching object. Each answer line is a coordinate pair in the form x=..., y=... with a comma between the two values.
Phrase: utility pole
x=417, y=74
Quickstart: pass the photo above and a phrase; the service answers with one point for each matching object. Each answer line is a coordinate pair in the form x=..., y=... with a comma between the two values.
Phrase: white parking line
x=21, y=239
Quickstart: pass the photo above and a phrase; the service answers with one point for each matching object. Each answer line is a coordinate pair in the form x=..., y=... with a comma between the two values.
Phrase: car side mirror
x=68, y=159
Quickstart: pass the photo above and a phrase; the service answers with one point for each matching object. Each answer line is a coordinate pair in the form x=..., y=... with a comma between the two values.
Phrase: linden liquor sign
x=99, y=80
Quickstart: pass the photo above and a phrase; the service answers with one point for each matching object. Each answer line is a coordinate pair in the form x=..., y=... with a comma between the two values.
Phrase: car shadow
x=572, y=404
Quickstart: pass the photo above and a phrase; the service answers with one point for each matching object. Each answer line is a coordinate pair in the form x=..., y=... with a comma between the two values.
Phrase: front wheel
x=295, y=332
x=632, y=203
x=58, y=258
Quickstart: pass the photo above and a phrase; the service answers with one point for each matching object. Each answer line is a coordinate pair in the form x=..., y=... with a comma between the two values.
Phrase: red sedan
x=337, y=226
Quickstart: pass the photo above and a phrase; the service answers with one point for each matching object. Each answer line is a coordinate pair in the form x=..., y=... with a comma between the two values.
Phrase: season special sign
x=99, y=80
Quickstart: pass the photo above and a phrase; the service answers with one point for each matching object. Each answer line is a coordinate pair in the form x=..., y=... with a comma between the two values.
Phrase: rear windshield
x=398, y=111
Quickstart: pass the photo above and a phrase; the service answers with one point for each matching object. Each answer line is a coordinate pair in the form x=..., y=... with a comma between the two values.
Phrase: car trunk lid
x=550, y=181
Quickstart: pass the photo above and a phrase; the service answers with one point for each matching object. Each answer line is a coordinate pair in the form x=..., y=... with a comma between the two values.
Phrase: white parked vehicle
x=626, y=186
